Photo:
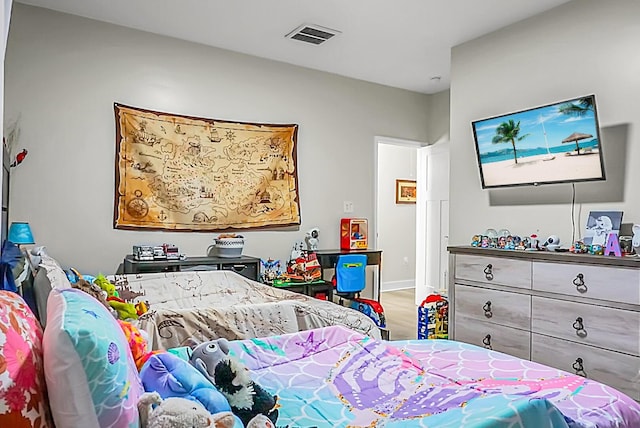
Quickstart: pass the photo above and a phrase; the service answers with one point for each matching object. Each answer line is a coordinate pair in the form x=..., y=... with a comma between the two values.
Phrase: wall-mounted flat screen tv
x=554, y=143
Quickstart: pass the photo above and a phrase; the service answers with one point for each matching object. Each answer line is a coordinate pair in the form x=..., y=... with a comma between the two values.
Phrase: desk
x=246, y=266
x=312, y=289
x=328, y=259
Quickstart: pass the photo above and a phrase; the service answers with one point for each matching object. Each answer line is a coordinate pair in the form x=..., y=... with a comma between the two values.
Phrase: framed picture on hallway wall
x=405, y=191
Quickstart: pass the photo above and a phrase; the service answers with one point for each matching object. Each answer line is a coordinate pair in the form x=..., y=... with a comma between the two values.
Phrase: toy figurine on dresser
x=635, y=242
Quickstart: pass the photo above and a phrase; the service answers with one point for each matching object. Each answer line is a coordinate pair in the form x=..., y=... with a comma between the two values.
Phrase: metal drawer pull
x=487, y=342
x=488, y=272
x=579, y=327
x=238, y=268
x=579, y=367
x=487, y=309
x=578, y=281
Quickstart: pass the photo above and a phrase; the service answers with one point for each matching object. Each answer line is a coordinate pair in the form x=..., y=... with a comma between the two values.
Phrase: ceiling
x=398, y=43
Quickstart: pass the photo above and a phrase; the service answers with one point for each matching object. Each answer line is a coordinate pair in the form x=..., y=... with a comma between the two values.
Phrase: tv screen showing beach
x=554, y=143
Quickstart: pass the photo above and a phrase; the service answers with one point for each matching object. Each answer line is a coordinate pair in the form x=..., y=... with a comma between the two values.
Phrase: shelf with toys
x=504, y=240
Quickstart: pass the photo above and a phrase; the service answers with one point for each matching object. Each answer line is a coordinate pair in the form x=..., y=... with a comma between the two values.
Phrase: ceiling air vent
x=313, y=34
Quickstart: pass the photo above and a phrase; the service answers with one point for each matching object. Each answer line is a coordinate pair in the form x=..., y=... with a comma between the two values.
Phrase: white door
x=432, y=220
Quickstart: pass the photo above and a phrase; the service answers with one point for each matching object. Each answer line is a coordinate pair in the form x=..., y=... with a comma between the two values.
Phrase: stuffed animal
x=138, y=343
x=124, y=309
x=102, y=282
x=93, y=290
x=171, y=376
x=246, y=398
x=179, y=413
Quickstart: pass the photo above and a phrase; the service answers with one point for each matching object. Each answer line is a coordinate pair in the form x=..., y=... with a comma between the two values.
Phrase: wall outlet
x=405, y=260
x=348, y=206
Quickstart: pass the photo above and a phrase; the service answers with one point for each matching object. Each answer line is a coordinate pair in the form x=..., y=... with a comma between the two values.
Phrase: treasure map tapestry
x=185, y=173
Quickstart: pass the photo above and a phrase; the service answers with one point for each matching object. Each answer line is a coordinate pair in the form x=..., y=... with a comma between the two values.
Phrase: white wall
x=582, y=47
x=63, y=74
x=396, y=222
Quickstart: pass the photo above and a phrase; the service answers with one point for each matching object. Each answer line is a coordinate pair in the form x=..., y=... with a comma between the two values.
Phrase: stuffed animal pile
x=185, y=397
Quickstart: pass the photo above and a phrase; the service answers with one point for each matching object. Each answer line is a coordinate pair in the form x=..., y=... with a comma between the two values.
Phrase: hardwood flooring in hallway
x=401, y=313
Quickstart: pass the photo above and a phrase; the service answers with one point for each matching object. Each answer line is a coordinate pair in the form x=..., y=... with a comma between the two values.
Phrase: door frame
x=395, y=142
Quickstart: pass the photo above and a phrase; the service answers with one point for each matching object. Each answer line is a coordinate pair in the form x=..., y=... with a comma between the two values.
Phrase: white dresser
x=579, y=313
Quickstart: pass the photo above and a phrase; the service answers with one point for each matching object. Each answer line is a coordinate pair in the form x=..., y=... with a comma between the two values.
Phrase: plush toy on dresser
x=247, y=399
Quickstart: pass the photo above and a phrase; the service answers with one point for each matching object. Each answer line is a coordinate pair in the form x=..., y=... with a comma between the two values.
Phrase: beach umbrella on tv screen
x=575, y=137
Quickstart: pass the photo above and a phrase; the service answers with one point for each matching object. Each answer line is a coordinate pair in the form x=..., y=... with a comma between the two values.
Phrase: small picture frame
x=405, y=191
x=599, y=225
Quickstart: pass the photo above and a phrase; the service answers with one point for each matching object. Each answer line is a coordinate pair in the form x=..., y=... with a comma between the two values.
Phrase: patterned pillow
x=92, y=378
x=23, y=395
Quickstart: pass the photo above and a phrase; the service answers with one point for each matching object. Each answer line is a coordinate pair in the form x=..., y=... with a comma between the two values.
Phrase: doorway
x=413, y=237
x=395, y=220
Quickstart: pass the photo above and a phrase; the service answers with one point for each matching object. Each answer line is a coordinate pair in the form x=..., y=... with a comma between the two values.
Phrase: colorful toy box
x=433, y=318
x=354, y=233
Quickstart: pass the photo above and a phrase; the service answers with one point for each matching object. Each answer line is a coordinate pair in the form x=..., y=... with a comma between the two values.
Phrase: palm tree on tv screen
x=507, y=132
x=577, y=109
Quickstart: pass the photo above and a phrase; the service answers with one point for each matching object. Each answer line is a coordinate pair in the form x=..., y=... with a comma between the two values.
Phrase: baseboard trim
x=397, y=285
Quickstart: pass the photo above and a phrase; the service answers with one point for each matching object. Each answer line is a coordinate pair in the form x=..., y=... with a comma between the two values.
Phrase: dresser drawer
x=248, y=270
x=494, y=306
x=492, y=336
x=494, y=270
x=595, y=282
x=617, y=370
x=610, y=328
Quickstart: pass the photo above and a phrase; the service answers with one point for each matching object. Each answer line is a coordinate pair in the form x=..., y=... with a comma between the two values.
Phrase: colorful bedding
x=335, y=377
x=205, y=305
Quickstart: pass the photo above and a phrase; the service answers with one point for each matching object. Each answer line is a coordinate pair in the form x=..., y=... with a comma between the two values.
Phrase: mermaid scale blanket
x=335, y=377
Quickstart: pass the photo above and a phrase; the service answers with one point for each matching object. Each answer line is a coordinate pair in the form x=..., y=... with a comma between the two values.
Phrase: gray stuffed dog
x=246, y=398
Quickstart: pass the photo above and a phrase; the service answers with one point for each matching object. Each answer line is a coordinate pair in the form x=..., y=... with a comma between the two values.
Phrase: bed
x=335, y=377
x=204, y=305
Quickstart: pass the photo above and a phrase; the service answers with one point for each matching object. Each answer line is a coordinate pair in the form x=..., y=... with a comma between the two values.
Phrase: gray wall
x=582, y=47
x=396, y=222
x=63, y=74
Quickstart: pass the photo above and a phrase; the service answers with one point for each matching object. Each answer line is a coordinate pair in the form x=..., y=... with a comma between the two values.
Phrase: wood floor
x=401, y=313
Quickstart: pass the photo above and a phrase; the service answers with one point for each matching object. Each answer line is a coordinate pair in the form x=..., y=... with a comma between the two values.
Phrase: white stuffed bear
x=177, y=412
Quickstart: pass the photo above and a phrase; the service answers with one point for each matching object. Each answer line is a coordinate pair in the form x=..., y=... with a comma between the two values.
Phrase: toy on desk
x=353, y=234
x=311, y=238
x=270, y=270
x=304, y=268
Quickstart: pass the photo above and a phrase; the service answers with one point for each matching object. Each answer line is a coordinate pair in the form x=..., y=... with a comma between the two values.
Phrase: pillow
x=92, y=378
x=23, y=396
x=49, y=276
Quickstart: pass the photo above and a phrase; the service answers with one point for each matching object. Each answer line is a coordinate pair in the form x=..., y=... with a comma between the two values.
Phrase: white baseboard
x=397, y=285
